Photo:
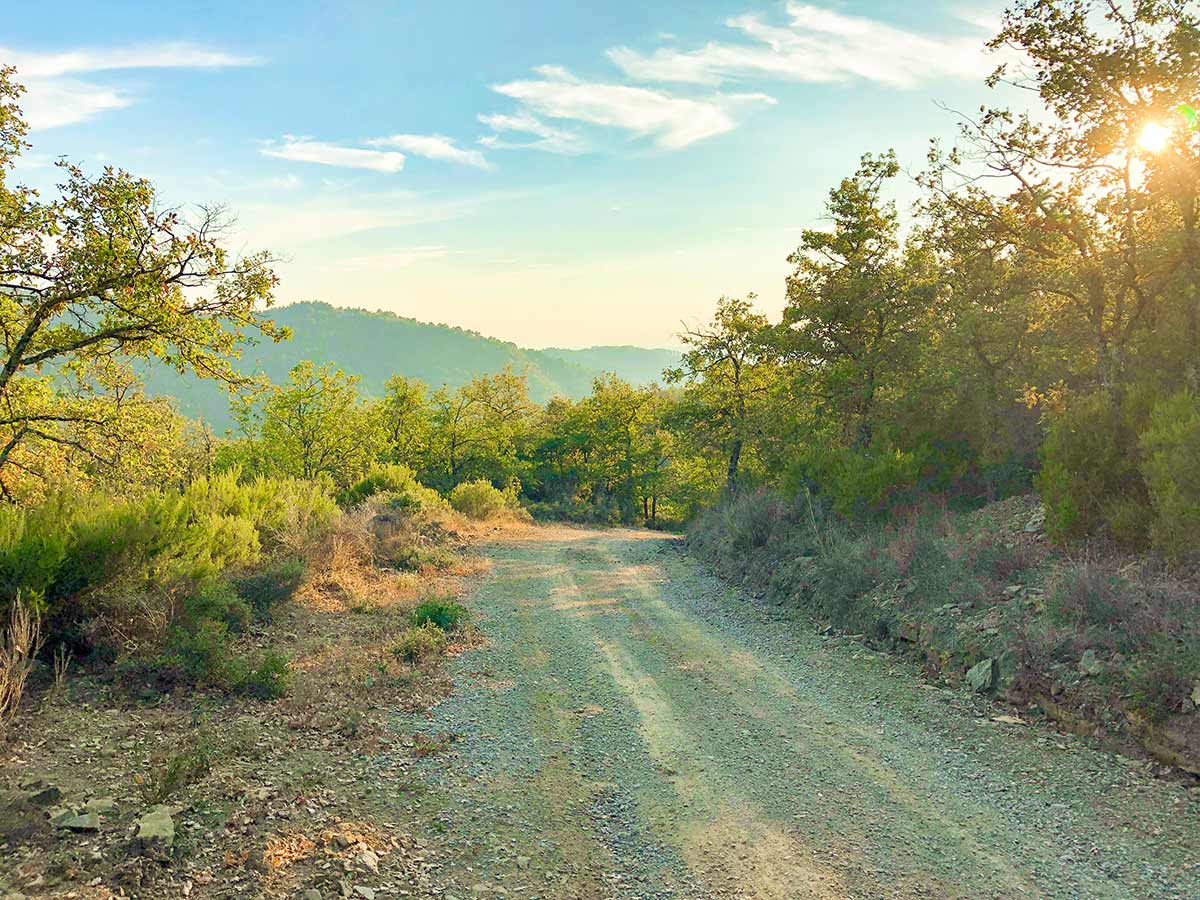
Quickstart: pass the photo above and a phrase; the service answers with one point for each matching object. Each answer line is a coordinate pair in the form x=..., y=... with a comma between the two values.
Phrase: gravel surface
x=635, y=729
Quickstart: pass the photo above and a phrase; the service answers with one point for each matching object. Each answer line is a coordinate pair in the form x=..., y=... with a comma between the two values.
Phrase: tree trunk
x=735, y=456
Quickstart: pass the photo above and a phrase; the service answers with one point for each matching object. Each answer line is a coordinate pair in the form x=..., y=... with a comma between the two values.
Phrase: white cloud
x=53, y=102
x=303, y=149
x=817, y=45
x=289, y=182
x=433, y=146
x=549, y=138
x=386, y=262
x=171, y=55
x=284, y=225
x=674, y=122
x=53, y=99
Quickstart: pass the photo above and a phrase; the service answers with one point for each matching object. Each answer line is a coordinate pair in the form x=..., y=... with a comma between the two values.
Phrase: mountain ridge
x=376, y=345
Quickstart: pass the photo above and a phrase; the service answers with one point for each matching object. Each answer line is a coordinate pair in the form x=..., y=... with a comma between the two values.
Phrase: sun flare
x=1154, y=137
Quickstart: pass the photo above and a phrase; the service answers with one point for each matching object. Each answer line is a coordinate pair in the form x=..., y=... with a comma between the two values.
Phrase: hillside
x=377, y=345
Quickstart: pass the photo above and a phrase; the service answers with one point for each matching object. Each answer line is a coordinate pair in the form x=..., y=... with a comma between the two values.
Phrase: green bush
x=1089, y=468
x=269, y=679
x=266, y=588
x=444, y=614
x=859, y=483
x=477, y=499
x=1171, y=468
x=385, y=479
x=418, y=643
x=1163, y=677
x=216, y=600
x=201, y=653
x=33, y=546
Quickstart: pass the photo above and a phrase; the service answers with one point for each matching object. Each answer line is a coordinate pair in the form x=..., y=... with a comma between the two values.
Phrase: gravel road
x=634, y=729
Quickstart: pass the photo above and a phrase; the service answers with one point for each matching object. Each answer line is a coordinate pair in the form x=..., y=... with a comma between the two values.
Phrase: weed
x=178, y=771
x=418, y=643
x=22, y=638
x=445, y=615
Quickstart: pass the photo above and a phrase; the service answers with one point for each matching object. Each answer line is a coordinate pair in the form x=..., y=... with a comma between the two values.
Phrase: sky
x=554, y=174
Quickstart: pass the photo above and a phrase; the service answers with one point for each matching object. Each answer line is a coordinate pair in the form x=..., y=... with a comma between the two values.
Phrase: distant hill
x=637, y=365
x=377, y=345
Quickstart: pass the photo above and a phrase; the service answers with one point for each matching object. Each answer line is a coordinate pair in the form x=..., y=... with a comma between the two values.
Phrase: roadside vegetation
x=973, y=434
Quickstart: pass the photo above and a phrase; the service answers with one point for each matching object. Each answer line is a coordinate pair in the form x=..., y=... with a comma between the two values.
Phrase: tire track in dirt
x=664, y=739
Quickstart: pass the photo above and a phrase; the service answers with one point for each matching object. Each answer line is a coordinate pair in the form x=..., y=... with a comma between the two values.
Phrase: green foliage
x=396, y=480
x=216, y=600
x=860, y=483
x=267, y=679
x=1171, y=467
x=1087, y=465
x=100, y=275
x=315, y=425
x=478, y=499
x=445, y=614
x=180, y=769
x=419, y=643
x=266, y=587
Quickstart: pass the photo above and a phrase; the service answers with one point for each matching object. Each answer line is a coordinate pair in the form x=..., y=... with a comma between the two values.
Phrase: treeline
x=1033, y=321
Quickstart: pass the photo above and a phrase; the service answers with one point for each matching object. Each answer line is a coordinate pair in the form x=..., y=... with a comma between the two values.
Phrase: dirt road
x=634, y=730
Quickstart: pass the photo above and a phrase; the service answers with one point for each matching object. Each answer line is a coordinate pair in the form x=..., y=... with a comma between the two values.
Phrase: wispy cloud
x=386, y=262
x=433, y=146
x=817, y=45
x=303, y=149
x=672, y=121
x=548, y=138
x=54, y=98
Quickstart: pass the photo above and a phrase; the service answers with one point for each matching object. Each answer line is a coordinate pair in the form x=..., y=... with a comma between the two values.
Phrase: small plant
x=269, y=680
x=275, y=584
x=418, y=643
x=178, y=771
x=442, y=613
x=62, y=665
x=478, y=499
x=430, y=744
x=22, y=638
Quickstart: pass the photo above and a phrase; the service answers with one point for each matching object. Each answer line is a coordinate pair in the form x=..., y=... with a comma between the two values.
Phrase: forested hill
x=378, y=345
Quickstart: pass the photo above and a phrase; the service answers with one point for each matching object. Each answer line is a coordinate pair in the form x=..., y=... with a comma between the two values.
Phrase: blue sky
x=548, y=173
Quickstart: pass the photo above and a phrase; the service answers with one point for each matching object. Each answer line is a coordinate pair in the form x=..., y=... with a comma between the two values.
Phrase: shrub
x=418, y=643
x=444, y=614
x=1171, y=468
x=269, y=587
x=33, y=545
x=269, y=679
x=477, y=499
x=1086, y=594
x=19, y=644
x=1163, y=677
x=200, y=652
x=1089, y=467
x=384, y=479
x=216, y=600
x=860, y=483
x=178, y=771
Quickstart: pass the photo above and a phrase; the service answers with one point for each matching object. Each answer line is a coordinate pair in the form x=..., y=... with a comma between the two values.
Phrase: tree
x=100, y=275
x=728, y=369
x=405, y=417
x=1105, y=218
x=314, y=425
x=856, y=300
x=480, y=429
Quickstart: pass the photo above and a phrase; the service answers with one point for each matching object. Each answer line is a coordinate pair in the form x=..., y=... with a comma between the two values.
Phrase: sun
x=1154, y=138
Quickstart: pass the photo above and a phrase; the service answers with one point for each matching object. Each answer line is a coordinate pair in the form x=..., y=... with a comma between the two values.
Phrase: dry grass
x=291, y=790
x=22, y=639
